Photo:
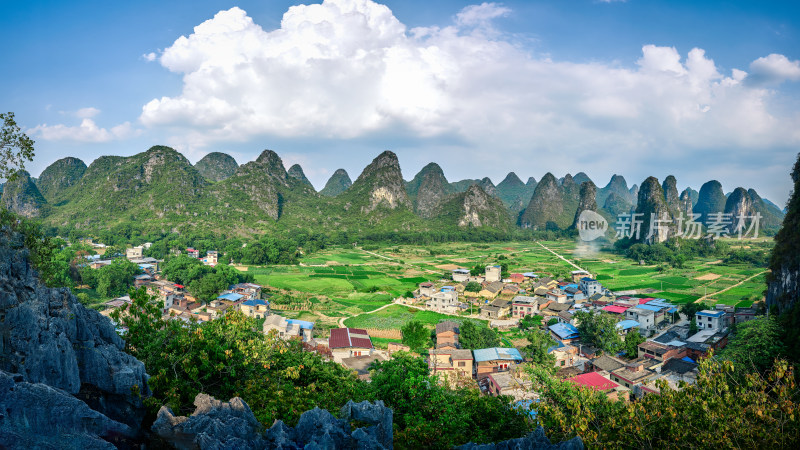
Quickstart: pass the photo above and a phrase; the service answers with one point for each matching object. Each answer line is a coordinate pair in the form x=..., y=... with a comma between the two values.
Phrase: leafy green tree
x=529, y=321
x=536, y=351
x=473, y=336
x=230, y=357
x=415, y=335
x=477, y=270
x=116, y=278
x=718, y=411
x=15, y=147
x=430, y=415
x=473, y=286
x=599, y=330
x=631, y=344
x=755, y=345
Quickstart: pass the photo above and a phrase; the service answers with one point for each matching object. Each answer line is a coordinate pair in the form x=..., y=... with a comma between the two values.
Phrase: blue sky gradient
x=565, y=87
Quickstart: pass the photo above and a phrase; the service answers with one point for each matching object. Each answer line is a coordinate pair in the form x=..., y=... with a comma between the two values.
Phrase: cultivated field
x=346, y=283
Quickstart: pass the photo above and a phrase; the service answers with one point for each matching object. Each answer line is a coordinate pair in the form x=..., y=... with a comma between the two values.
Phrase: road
x=729, y=287
x=565, y=259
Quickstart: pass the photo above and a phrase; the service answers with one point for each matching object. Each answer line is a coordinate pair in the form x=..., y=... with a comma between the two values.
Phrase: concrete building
x=493, y=360
x=134, y=253
x=451, y=363
x=426, y=289
x=523, y=306
x=288, y=328
x=493, y=273
x=590, y=286
x=710, y=320
x=461, y=275
x=444, y=301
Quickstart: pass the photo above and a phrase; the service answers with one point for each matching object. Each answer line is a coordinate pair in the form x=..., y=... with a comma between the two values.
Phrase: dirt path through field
x=565, y=259
x=729, y=287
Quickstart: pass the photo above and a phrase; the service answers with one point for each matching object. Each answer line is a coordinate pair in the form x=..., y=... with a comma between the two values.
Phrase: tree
x=116, y=278
x=415, y=335
x=632, y=341
x=473, y=286
x=718, y=411
x=536, y=351
x=473, y=336
x=15, y=147
x=477, y=270
x=599, y=330
x=529, y=321
x=755, y=345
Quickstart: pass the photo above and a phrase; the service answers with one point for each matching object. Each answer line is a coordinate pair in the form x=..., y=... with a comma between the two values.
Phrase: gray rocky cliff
x=739, y=207
x=48, y=338
x=216, y=166
x=671, y=196
x=428, y=189
x=652, y=207
x=783, y=284
x=297, y=173
x=21, y=196
x=546, y=205
x=586, y=201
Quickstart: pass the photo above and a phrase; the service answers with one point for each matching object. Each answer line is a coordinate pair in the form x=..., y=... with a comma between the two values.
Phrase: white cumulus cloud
x=349, y=68
x=774, y=69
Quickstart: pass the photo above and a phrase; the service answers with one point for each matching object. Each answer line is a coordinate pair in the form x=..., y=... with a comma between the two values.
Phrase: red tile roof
x=593, y=380
x=642, y=301
x=349, y=337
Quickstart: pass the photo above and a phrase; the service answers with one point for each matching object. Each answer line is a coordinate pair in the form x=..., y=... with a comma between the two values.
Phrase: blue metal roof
x=587, y=279
x=256, y=303
x=497, y=353
x=650, y=307
x=301, y=323
x=687, y=359
x=708, y=313
x=529, y=275
x=672, y=310
x=231, y=296
x=627, y=324
x=564, y=330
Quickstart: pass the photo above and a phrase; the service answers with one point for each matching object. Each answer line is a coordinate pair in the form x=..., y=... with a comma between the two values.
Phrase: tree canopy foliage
x=415, y=335
x=474, y=336
x=202, y=281
x=15, y=146
x=599, y=330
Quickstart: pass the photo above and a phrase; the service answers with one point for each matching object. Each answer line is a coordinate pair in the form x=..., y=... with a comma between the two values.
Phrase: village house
x=444, y=301
x=523, y=306
x=447, y=335
x=710, y=320
x=192, y=253
x=498, y=309
x=255, y=308
x=566, y=317
x=557, y=295
x=141, y=280
x=564, y=332
x=551, y=309
x=635, y=372
x=599, y=383
x=491, y=289
x=493, y=360
x=349, y=342
x=517, y=278
x=617, y=310
x=426, y=289
x=660, y=352
x=493, y=273
x=452, y=364
x=460, y=275
x=625, y=326
x=590, y=286
x=744, y=315
x=288, y=328
x=516, y=384
x=604, y=363
x=249, y=291
x=577, y=275
x=509, y=290
x=540, y=290
x=565, y=354
x=211, y=258
x=135, y=252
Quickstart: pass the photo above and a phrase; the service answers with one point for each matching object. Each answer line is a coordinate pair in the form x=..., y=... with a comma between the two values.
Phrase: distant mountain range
x=160, y=190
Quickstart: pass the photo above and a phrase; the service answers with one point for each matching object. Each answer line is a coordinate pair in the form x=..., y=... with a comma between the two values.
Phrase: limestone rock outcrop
x=217, y=425
x=48, y=337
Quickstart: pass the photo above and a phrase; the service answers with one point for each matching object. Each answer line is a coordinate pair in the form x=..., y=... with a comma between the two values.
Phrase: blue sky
x=700, y=90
